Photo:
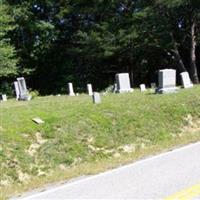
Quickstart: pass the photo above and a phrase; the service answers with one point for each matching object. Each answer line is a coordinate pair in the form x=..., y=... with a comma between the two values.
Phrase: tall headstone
x=167, y=81
x=123, y=83
x=142, y=87
x=17, y=93
x=3, y=97
x=186, y=82
x=23, y=92
x=71, y=89
x=89, y=89
x=96, y=98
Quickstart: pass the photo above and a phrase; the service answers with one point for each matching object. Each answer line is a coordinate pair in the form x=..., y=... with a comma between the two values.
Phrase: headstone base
x=188, y=86
x=125, y=90
x=167, y=90
x=72, y=94
x=25, y=98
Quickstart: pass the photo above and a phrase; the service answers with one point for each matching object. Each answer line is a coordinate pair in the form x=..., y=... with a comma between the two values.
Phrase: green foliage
x=90, y=41
x=8, y=59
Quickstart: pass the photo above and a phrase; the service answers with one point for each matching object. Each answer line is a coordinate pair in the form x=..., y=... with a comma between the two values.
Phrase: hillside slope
x=79, y=137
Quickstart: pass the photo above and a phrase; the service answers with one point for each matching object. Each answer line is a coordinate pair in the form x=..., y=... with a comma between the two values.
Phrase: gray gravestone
x=153, y=87
x=96, y=98
x=23, y=92
x=89, y=89
x=167, y=81
x=71, y=89
x=142, y=87
x=17, y=93
x=115, y=88
x=186, y=82
x=3, y=97
x=123, y=83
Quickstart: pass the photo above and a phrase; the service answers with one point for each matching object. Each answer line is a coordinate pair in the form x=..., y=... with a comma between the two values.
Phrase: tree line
x=52, y=42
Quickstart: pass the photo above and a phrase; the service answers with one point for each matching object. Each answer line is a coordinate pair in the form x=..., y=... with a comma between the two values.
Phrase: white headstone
x=142, y=87
x=89, y=89
x=23, y=92
x=167, y=81
x=71, y=89
x=96, y=98
x=123, y=83
x=17, y=93
x=186, y=82
x=3, y=97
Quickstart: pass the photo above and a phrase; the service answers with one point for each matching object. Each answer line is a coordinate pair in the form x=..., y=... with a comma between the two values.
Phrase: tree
x=8, y=61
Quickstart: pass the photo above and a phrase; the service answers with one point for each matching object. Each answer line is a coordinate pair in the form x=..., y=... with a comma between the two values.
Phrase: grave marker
x=96, y=98
x=17, y=93
x=3, y=97
x=23, y=92
x=186, y=82
x=123, y=83
x=89, y=89
x=142, y=87
x=71, y=89
x=167, y=81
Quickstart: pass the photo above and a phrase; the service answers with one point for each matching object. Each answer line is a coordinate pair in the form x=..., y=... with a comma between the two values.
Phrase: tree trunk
x=193, y=66
x=177, y=55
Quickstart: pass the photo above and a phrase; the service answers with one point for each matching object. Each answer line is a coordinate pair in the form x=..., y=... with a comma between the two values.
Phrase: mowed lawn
x=80, y=138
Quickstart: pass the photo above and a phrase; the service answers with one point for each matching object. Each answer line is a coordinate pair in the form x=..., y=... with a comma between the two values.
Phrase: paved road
x=172, y=175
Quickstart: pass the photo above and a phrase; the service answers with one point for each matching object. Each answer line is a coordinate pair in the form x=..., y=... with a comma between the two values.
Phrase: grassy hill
x=80, y=138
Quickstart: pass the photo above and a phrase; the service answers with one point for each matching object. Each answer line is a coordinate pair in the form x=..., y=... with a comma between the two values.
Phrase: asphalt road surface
x=171, y=175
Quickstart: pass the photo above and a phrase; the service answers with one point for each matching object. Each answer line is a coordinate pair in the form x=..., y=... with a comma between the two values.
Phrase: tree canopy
x=57, y=41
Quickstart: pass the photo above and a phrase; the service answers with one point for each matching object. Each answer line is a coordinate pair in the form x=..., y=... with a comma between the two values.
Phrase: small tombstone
x=37, y=120
x=186, y=82
x=89, y=89
x=167, y=81
x=96, y=98
x=17, y=93
x=153, y=85
x=71, y=89
x=3, y=97
x=142, y=87
x=123, y=83
x=23, y=92
x=115, y=88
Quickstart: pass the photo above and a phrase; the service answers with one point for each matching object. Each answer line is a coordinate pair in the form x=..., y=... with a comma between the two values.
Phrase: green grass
x=79, y=137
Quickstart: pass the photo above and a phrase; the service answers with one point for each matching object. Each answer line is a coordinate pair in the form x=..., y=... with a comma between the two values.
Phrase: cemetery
x=53, y=134
x=87, y=86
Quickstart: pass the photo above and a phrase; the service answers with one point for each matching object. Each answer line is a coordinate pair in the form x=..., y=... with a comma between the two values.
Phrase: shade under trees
x=82, y=41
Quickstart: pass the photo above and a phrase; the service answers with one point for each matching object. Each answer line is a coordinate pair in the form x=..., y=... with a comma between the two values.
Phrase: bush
x=34, y=93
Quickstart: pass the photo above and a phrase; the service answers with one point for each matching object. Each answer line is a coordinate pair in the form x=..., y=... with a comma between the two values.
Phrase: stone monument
x=96, y=98
x=142, y=87
x=123, y=83
x=186, y=82
x=17, y=93
x=71, y=89
x=167, y=81
x=3, y=97
x=89, y=89
x=22, y=89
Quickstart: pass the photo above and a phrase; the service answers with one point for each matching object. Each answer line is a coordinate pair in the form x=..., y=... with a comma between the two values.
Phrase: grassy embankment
x=79, y=138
